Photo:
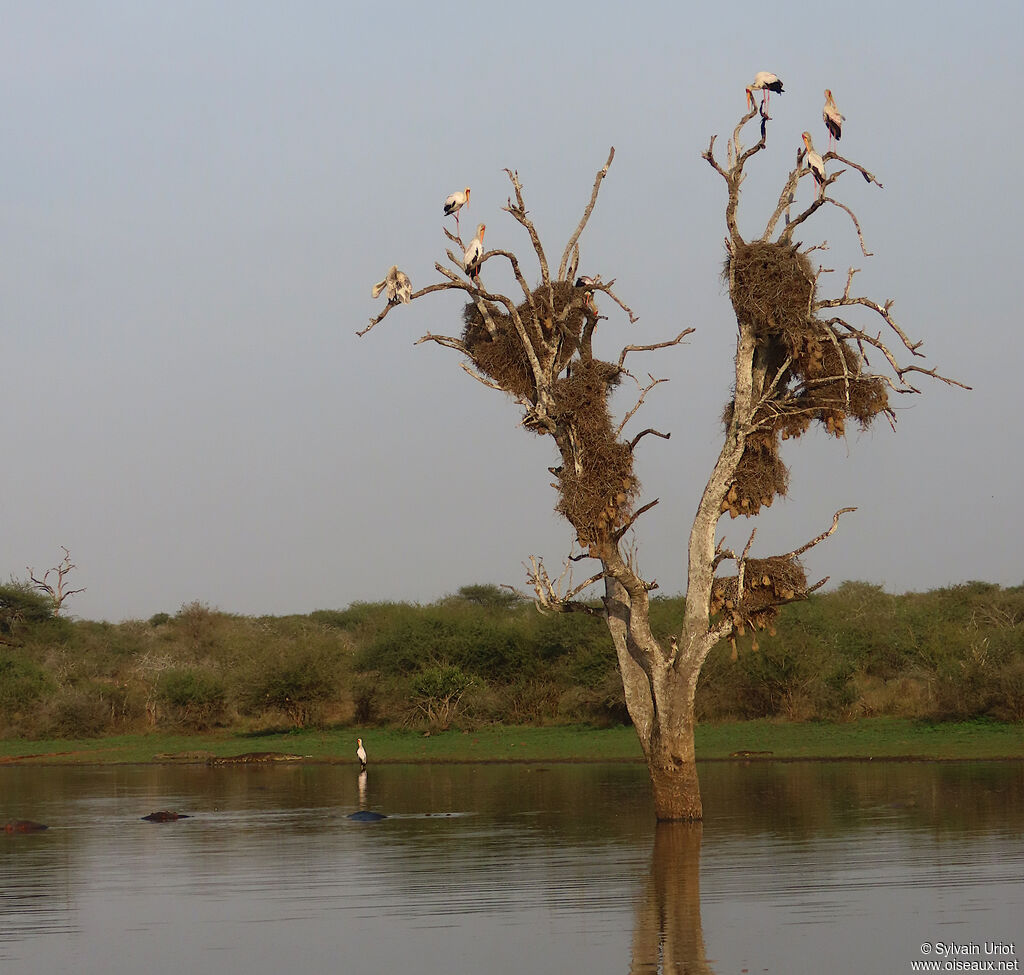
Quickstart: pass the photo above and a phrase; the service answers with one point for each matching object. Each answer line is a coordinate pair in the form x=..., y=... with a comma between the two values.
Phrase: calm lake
x=800, y=867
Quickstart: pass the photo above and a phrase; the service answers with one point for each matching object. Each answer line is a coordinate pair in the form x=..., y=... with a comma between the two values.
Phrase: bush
x=22, y=686
x=438, y=690
x=76, y=712
x=297, y=685
x=22, y=607
x=195, y=699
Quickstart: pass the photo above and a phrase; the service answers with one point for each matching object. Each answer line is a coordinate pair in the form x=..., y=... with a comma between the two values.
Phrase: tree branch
x=619, y=532
x=519, y=211
x=796, y=553
x=657, y=345
x=643, y=393
x=601, y=173
x=643, y=433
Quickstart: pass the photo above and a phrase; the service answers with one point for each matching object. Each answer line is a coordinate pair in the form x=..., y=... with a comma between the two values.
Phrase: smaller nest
x=600, y=497
x=581, y=397
x=833, y=403
x=503, y=356
x=760, y=477
x=772, y=286
x=767, y=583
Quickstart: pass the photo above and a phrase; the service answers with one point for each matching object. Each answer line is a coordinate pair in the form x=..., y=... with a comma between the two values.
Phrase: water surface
x=800, y=867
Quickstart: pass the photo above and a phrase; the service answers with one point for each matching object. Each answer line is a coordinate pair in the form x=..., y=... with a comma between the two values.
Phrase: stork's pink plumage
x=471, y=259
x=833, y=120
x=815, y=163
x=764, y=82
x=455, y=203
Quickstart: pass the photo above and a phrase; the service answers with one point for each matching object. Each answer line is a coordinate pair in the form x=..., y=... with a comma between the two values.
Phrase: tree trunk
x=660, y=700
x=671, y=758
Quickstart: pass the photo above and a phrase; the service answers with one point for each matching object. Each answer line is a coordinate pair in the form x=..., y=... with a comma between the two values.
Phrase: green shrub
x=22, y=685
x=194, y=699
x=22, y=607
x=297, y=685
x=438, y=690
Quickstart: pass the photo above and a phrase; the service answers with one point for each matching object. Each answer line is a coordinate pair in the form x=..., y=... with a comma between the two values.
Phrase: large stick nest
x=772, y=286
x=597, y=496
x=767, y=583
x=553, y=325
x=818, y=374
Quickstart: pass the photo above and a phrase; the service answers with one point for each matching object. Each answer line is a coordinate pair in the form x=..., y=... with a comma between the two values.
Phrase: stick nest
x=772, y=286
x=598, y=496
x=818, y=374
x=766, y=584
x=554, y=323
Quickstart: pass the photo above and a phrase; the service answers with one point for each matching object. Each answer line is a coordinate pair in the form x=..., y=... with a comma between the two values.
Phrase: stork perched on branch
x=455, y=203
x=815, y=163
x=833, y=120
x=471, y=259
x=764, y=82
x=398, y=286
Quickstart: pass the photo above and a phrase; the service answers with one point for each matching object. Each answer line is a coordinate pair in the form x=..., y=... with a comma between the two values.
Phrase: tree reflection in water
x=668, y=937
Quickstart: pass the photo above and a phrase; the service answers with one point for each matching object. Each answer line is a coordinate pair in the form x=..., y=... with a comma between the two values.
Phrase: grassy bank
x=870, y=738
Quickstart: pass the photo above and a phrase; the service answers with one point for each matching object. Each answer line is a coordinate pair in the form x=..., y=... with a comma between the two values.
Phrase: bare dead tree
x=57, y=589
x=800, y=359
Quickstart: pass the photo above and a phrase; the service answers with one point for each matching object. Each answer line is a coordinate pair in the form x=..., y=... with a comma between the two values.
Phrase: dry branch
x=572, y=245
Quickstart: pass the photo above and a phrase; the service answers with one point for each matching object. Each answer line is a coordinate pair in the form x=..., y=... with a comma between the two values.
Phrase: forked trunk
x=660, y=701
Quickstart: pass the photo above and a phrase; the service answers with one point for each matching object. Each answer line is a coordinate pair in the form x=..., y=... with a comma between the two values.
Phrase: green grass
x=880, y=738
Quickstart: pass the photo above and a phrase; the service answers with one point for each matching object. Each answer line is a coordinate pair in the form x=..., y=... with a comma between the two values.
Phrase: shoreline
x=868, y=739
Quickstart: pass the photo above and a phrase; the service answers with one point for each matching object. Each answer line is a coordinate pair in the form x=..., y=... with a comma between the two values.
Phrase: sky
x=197, y=199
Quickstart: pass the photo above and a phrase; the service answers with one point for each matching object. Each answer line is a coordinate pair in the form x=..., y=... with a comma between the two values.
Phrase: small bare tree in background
x=57, y=588
x=800, y=359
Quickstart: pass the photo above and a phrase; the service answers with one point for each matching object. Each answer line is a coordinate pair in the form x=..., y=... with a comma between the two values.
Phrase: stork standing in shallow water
x=361, y=754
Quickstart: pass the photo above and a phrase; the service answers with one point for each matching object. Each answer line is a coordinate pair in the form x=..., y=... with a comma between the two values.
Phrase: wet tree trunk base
x=676, y=793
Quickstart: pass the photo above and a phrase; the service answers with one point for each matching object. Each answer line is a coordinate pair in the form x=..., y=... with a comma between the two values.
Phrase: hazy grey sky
x=197, y=198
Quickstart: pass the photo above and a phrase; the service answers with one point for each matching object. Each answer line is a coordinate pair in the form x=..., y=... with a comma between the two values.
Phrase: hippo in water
x=23, y=826
x=365, y=816
x=165, y=816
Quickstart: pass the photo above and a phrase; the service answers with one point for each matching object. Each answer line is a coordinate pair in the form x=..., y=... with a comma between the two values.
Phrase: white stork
x=455, y=203
x=361, y=754
x=765, y=82
x=398, y=286
x=815, y=163
x=833, y=120
x=471, y=259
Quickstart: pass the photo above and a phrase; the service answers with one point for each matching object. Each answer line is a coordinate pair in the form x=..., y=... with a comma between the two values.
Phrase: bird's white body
x=361, y=753
x=398, y=285
x=456, y=201
x=833, y=120
x=471, y=259
x=814, y=161
x=766, y=82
